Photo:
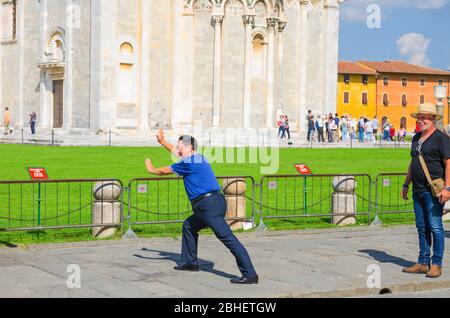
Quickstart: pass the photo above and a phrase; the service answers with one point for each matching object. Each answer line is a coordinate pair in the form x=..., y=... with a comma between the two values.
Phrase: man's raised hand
x=160, y=136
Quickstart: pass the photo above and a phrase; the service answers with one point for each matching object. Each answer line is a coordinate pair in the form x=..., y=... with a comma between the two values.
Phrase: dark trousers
x=33, y=128
x=210, y=212
x=320, y=134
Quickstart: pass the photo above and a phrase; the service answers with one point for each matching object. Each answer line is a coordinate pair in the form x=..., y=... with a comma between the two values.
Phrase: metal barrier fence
x=56, y=204
x=61, y=204
x=388, y=187
x=164, y=200
x=295, y=196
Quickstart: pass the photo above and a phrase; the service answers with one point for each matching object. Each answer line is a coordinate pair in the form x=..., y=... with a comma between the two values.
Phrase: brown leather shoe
x=417, y=269
x=435, y=271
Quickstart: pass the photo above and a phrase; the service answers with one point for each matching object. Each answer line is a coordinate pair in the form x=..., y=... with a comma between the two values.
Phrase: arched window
x=56, y=51
x=126, y=84
x=385, y=99
x=126, y=48
x=202, y=7
x=234, y=8
x=404, y=100
x=258, y=56
x=403, y=122
x=261, y=14
x=422, y=99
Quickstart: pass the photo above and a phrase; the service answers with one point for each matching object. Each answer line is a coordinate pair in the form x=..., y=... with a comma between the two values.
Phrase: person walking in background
x=280, y=125
x=319, y=126
x=337, y=120
x=329, y=123
x=392, y=133
x=344, y=129
x=375, y=124
x=369, y=130
x=402, y=134
x=33, y=118
x=361, y=129
x=286, y=129
x=7, y=121
x=311, y=128
x=386, y=130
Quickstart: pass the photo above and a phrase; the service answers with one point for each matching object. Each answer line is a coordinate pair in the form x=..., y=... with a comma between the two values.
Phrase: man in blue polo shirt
x=208, y=204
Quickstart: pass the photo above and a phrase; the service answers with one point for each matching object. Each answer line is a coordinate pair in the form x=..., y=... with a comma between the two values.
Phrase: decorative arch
x=234, y=7
x=56, y=45
x=126, y=70
x=261, y=12
x=202, y=6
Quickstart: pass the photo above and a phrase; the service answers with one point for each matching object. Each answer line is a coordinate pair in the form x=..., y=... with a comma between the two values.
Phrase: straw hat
x=427, y=109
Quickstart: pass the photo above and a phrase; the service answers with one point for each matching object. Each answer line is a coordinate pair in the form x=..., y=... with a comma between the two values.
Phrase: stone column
x=68, y=80
x=44, y=119
x=217, y=84
x=303, y=56
x=183, y=67
x=281, y=27
x=145, y=64
x=21, y=60
x=271, y=24
x=331, y=13
x=249, y=21
x=104, y=50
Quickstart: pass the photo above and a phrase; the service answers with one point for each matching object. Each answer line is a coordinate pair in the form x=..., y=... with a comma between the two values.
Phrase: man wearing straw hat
x=429, y=172
x=208, y=204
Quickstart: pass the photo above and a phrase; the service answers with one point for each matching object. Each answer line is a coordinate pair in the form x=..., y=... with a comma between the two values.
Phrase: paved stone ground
x=319, y=263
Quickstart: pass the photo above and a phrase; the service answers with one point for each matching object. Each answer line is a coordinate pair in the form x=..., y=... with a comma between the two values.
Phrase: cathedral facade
x=90, y=65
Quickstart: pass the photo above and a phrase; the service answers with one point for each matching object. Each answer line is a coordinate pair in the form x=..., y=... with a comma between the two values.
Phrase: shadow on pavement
x=8, y=244
x=447, y=234
x=205, y=266
x=383, y=257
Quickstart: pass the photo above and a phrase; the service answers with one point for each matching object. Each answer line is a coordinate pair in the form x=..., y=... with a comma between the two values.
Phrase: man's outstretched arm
x=162, y=141
x=165, y=171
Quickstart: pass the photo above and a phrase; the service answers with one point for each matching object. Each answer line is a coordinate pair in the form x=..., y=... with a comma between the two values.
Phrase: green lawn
x=128, y=163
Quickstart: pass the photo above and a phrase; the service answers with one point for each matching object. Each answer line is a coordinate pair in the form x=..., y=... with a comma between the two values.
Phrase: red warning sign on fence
x=38, y=174
x=302, y=168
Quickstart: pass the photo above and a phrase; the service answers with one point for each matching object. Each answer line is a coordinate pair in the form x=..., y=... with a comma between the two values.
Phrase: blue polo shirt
x=198, y=176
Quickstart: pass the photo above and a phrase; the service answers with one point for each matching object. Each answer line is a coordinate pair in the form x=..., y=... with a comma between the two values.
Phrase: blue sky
x=416, y=31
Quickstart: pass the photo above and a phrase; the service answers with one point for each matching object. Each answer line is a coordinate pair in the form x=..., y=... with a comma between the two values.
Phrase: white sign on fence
x=142, y=188
x=386, y=182
x=272, y=185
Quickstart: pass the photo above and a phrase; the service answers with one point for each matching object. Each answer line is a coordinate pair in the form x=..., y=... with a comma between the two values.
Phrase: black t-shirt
x=436, y=151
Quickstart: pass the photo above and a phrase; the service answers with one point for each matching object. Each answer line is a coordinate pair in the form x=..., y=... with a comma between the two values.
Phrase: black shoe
x=185, y=267
x=244, y=280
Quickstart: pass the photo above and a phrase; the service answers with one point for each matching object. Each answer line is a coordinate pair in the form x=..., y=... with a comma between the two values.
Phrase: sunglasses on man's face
x=424, y=117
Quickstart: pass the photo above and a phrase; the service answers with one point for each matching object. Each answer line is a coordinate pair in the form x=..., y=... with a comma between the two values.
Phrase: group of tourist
x=335, y=128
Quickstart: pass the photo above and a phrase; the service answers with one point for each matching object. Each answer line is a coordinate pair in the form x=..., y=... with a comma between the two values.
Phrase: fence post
x=53, y=137
x=130, y=234
x=22, y=135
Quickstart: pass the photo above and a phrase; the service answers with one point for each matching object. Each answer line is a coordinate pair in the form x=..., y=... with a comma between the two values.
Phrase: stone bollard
x=344, y=200
x=446, y=216
x=234, y=191
x=107, y=208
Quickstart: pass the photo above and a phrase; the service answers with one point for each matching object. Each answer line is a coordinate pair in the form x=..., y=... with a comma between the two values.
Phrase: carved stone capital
x=304, y=2
x=272, y=22
x=217, y=19
x=249, y=19
x=281, y=25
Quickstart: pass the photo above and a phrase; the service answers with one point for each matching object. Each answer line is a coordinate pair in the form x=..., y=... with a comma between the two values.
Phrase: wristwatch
x=447, y=188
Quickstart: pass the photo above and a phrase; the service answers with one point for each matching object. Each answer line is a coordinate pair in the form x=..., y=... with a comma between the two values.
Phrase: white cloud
x=415, y=47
